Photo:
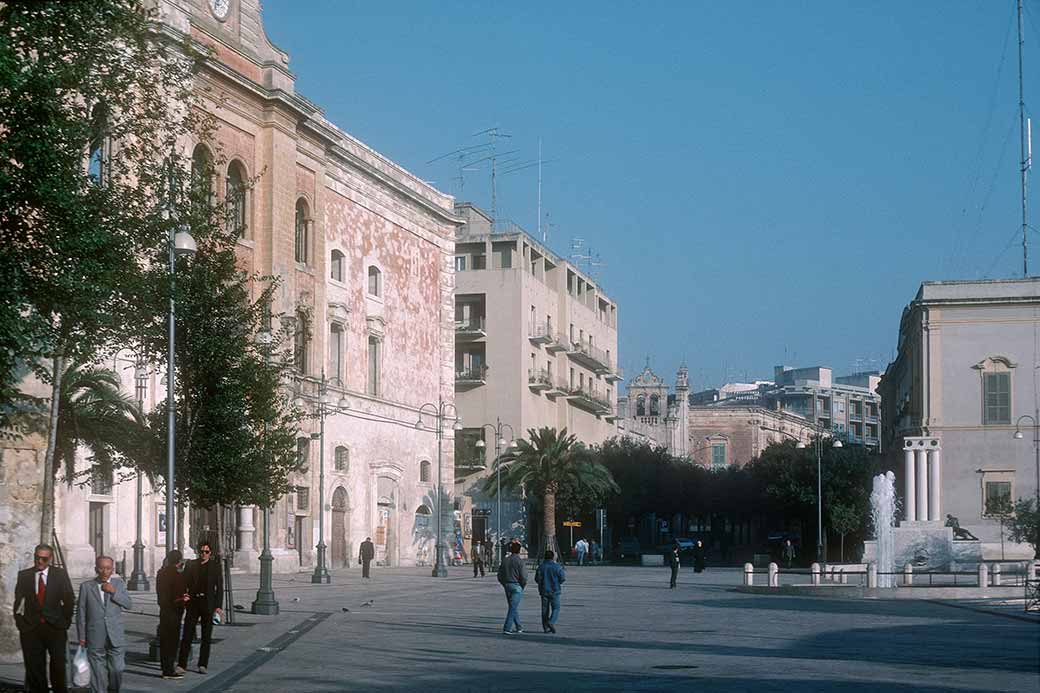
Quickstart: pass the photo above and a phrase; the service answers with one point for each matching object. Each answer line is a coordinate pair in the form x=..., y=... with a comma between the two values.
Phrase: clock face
x=220, y=8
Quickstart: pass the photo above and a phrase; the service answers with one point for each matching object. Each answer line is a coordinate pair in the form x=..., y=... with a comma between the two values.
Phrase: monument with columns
x=922, y=538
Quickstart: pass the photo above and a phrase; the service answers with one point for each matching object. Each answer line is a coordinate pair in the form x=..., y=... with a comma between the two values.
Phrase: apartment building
x=847, y=406
x=535, y=344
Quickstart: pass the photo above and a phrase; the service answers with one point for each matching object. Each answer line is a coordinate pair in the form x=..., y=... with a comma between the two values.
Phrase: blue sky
x=764, y=182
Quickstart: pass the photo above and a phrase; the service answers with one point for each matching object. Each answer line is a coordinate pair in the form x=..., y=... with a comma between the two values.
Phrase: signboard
x=601, y=518
x=571, y=523
x=481, y=512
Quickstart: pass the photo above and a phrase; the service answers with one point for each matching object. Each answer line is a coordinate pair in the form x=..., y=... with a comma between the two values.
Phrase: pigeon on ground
x=346, y=609
x=296, y=599
x=239, y=607
x=368, y=603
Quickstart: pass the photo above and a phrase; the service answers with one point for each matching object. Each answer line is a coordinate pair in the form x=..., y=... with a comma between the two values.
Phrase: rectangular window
x=996, y=398
x=479, y=262
x=303, y=447
x=374, y=347
x=460, y=263
x=998, y=493
x=336, y=351
x=303, y=497
x=718, y=455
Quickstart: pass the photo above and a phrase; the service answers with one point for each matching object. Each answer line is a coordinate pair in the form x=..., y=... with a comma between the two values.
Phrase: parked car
x=686, y=546
x=629, y=548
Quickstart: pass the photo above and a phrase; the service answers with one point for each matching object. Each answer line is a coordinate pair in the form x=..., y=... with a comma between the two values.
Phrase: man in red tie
x=43, y=607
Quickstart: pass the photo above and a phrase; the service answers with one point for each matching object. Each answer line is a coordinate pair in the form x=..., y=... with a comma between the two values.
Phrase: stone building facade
x=965, y=376
x=364, y=252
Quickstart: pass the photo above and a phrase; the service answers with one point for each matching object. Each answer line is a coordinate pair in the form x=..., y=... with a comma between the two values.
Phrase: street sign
x=481, y=512
x=571, y=523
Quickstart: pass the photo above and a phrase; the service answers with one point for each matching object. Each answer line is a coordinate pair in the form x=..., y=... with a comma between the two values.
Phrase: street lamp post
x=440, y=412
x=138, y=579
x=265, y=602
x=1035, y=418
x=500, y=443
x=818, y=444
x=324, y=407
x=180, y=244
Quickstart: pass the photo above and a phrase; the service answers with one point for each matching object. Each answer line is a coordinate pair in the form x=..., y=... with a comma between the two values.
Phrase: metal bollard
x=842, y=577
x=1031, y=570
x=908, y=574
x=774, y=575
x=749, y=575
x=872, y=575
x=815, y=573
x=983, y=576
x=996, y=575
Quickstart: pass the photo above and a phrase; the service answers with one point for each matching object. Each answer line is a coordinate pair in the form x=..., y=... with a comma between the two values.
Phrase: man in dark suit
x=43, y=606
x=365, y=556
x=206, y=588
x=172, y=591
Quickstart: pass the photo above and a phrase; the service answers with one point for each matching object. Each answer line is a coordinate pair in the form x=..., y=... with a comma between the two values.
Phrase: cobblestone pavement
x=621, y=628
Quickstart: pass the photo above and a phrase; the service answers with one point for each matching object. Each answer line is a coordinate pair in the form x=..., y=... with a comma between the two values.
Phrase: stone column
x=922, y=484
x=245, y=528
x=910, y=495
x=934, y=488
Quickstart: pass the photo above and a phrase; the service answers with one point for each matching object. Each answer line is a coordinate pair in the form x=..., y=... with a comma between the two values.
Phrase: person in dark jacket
x=205, y=580
x=477, y=555
x=171, y=589
x=550, y=577
x=512, y=575
x=788, y=553
x=673, y=563
x=43, y=607
x=365, y=556
x=698, y=557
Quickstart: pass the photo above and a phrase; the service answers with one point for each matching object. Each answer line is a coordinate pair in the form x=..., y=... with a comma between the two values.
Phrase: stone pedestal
x=247, y=558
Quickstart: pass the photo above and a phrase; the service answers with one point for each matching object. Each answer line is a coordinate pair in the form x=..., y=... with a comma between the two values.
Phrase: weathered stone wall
x=21, y=490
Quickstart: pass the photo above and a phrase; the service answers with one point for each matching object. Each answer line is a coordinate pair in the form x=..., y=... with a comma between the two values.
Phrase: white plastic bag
x=81, y=668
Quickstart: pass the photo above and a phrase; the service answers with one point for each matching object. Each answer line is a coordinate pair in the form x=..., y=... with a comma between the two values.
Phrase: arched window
x=339, y=499
x=655, y=405
x=336, y=265
x=201, y=176
x=235, y=199
x=641, y=406
x=342, y=461
x=97, y=163
x=424, y=471
x=422, y=518
x=301, y=341
x=302, y=231
x=375, y=281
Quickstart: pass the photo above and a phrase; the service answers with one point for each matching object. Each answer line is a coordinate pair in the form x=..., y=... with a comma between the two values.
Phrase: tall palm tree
x=94, y=413
x=543, y=465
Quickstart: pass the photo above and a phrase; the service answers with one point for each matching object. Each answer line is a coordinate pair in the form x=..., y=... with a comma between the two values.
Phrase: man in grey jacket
x=512, y=574
x=99, y=626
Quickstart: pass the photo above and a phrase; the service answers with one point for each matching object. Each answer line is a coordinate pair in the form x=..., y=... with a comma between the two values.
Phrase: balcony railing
x=614, y=375
x=472, y=328
x=471, y=377
x=590, y=356
x=541, y=334
x=589, y=399
x=539, y=380
x=559, y=342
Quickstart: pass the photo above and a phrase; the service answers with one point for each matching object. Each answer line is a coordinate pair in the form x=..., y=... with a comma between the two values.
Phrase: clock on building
x=220, y=8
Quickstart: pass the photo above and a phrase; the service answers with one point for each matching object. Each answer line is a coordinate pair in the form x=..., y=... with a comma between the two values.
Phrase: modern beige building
x=535, y=343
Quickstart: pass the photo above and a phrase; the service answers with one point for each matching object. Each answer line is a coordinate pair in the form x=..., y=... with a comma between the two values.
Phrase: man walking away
x=788, y=553
x=673, y=563
x=550, y=577
x=206, y=586
x=478, y=558
x=512, y=574
x=99, y=625
x=582, y=548
x=43, y=604
x=172, y=591
x=365, y=556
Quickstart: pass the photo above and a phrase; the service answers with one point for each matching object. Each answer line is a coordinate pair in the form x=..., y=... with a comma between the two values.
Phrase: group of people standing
x=45, y=604
x=699, y=561
x=584, y=548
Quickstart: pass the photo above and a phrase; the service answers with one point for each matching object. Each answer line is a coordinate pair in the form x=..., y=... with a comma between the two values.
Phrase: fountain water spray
x=883, y=513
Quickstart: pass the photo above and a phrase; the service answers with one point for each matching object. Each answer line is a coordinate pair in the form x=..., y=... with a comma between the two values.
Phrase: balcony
x=471, y=329
x=558, y=343
x=593, y=358
x=469, y=378
x=541, y=334
x=557, y=388
x=614, y=375
x=589, y=400
x=539, y=380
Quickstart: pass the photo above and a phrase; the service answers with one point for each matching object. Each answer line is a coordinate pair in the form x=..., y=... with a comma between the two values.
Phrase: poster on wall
x=160, y=526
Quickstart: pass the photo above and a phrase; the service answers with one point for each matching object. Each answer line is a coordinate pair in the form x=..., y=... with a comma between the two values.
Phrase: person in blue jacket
x=550, y=577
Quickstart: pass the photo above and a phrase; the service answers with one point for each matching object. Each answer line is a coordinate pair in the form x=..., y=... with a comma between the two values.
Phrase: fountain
x=883, y=514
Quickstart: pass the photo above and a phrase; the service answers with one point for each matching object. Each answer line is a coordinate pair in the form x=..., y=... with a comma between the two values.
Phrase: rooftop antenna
x=493, y=135
x=542, y=235
x=1025, y=146
x=461, y=155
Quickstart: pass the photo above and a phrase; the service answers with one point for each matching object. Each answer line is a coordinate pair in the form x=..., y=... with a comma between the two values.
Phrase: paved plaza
x=621, y=629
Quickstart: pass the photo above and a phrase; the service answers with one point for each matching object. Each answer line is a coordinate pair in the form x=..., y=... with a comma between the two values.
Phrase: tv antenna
x=464, y=160
x=590, y=258
x=493, y=135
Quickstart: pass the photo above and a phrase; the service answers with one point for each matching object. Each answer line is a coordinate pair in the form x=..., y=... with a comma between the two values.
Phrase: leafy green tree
x=844, y=519
x=1023, y=524
x=91, y=98
x=1001, y=508
x=543, y=465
